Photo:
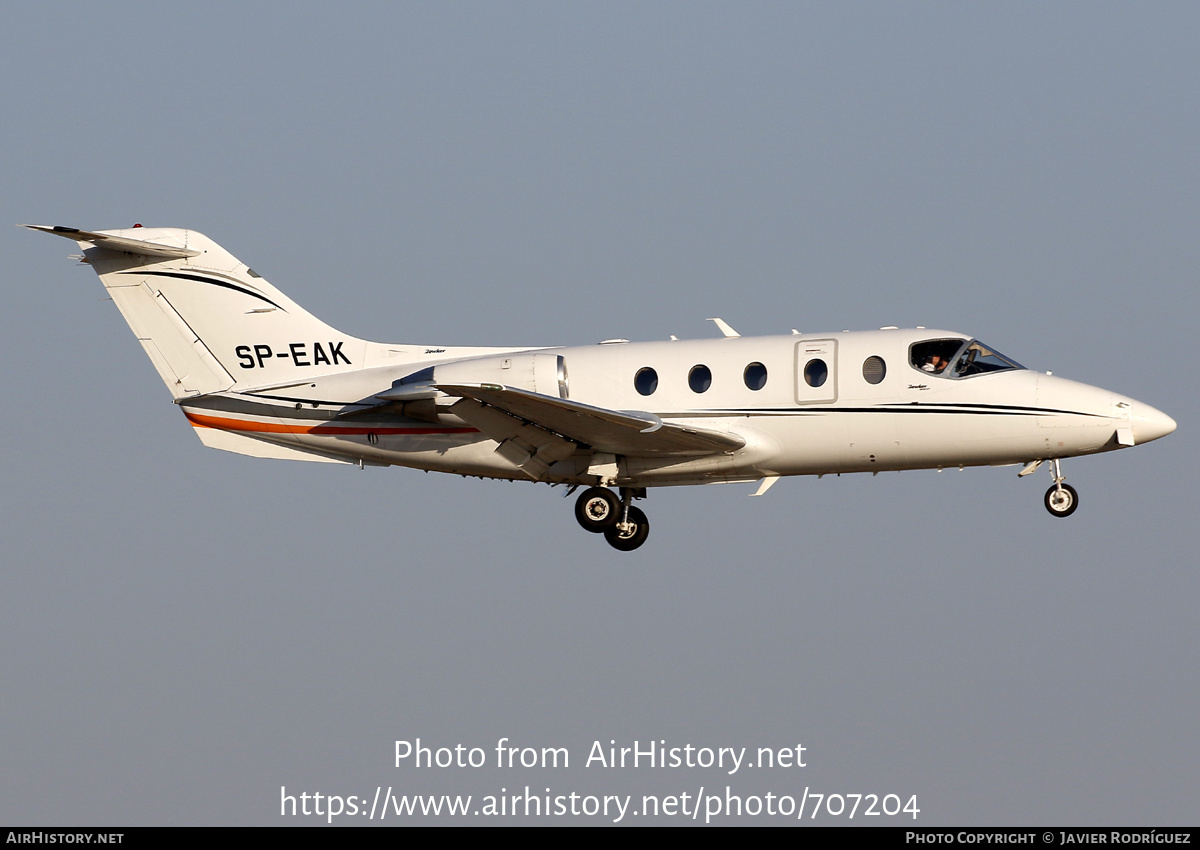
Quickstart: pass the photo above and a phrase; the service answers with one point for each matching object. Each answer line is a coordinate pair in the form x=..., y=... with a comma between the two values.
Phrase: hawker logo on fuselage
x=300, y=353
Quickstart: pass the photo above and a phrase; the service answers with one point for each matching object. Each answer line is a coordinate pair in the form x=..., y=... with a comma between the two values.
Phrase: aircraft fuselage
x=907, y=419
x=257, y=374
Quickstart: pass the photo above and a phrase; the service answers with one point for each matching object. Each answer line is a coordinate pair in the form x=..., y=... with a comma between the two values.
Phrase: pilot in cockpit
x=935, y=363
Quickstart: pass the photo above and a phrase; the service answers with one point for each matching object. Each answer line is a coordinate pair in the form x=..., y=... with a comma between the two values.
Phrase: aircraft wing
x=620, y=432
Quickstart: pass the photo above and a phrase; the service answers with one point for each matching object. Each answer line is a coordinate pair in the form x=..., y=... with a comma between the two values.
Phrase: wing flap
x=619, y=432
x=530, y=448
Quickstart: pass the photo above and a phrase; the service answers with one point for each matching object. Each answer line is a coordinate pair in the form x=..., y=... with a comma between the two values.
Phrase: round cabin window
x=874, y=370
x=700, y=378
x=646, y=381
x=755, y=376
x=816, y=372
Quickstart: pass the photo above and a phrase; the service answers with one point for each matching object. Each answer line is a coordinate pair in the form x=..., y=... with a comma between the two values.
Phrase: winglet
x=724, y=326
x=115, y=243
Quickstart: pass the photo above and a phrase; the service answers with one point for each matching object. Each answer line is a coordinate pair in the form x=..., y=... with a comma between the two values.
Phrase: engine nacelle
x=534, y=371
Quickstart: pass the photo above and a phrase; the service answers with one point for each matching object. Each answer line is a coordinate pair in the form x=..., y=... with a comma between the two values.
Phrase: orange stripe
x=221, y=424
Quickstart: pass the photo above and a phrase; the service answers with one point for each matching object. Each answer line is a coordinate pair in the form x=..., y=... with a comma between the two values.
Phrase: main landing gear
x=1061, y=499
x=600, y=511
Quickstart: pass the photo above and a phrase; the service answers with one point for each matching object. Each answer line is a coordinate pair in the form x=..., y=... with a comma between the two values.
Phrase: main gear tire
x=597, y=509
x=633, y=535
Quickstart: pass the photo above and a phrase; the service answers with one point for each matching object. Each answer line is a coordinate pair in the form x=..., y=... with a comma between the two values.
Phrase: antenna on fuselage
x=724, y=326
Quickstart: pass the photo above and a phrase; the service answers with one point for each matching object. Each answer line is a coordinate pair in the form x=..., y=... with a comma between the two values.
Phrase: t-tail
x=207, y=321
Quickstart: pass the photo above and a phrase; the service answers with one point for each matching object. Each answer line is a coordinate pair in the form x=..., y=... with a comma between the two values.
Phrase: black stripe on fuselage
x=298, y=409
x=899, y=407
x=988, y=408
x=322, y=402
x=211, y=281
x=301, y=408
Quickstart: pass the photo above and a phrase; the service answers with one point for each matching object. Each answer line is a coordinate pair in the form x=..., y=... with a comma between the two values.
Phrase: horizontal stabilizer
x=228, y=441
x=620, y=432
x=116, y=243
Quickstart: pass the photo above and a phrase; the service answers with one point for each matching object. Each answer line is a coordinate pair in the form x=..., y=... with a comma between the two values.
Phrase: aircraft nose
x=1149, y=424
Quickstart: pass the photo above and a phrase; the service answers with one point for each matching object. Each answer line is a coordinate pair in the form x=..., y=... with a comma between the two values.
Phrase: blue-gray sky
x=184, y=631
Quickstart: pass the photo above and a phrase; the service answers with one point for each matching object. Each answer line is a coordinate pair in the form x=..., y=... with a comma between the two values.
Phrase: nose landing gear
x=1061, y=499
x=599, y=511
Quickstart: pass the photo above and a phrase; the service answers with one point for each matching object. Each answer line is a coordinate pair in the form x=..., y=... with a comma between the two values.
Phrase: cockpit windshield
x=977, y=358
x=958, y=358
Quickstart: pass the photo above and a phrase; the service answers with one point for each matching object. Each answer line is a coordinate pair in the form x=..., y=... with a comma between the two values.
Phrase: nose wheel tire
x=597, y=509
x=1062, y=500
x=632, y=535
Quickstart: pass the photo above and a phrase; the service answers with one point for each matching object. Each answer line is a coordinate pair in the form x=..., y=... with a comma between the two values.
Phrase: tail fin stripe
x=209, y=280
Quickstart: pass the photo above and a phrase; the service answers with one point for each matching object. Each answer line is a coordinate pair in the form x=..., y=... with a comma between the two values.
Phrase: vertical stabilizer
x=206, y=320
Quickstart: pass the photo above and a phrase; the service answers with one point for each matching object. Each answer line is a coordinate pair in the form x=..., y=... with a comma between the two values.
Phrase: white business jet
x=255, y=373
